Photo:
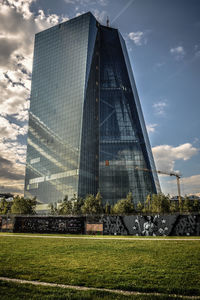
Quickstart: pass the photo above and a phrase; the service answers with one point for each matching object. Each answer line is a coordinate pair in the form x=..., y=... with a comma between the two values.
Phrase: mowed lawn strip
x=118, y=264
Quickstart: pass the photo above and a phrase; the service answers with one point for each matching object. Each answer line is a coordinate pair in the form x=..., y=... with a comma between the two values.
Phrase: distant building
x=7, y=196
x=86, y=127
x=189, y=197
x=193, y=197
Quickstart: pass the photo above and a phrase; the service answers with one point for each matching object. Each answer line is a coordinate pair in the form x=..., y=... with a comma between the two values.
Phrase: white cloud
x=193, y=181
x=12, y=157
x=16, y=50
x=151, y=128
x=178, y=52
x=12, y=168
x=17, y=28
x=159, y=107
x=79, y=13
x=189, y=185
x=165, y=155
x=12, y=186
x=99, y=15
x=138, y=38
x=10, y=131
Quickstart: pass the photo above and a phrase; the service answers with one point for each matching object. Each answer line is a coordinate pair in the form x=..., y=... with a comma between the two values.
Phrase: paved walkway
x=100, y=238
x=83, y=288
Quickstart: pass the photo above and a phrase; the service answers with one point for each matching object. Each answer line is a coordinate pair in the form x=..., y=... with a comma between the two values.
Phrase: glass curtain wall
x=86, y=129
x=123, y=153
x=60, y=68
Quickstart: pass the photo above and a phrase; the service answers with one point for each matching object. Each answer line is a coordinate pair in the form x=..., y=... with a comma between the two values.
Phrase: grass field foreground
x=13, y=291
x=147, y=266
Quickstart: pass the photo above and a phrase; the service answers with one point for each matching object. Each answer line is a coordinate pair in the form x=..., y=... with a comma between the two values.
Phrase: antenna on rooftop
x=107, y=22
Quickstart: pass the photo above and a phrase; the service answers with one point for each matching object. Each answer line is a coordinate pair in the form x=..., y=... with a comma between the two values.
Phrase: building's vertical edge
x=92, y=34
x=140, y=114
x=88, y=164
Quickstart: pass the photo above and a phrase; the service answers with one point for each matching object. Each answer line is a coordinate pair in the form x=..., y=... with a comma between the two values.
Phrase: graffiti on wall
x=153, y=225
x=138, y=225
x=114, y=225
x=50, y=224
x=187, y=225
x=150, y=225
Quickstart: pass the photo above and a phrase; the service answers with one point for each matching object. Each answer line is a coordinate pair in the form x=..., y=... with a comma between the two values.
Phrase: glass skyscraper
x=86, y=128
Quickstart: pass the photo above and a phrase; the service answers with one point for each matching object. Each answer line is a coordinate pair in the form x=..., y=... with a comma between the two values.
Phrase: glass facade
x=125, y=153
x=86, y=130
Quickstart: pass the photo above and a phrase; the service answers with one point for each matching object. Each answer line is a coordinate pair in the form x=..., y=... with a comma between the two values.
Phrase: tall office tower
x=86, y=128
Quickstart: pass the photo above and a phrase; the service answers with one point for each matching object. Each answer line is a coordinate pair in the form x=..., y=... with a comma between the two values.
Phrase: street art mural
x=136, y=225
x=114, y=225
x=152, y=225
x=156, y=225
x=187, y=225
x=50, y=224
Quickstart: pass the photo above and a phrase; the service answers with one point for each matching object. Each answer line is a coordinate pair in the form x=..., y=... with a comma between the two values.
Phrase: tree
x=140, y=206
x=165, y=203
x=71, y=207
x=107, y=208
x=23, y=206
x=124, y=206
x=92, y=205
x=111, y=209
x=173, y=207
x=129, y=197
x=77, y=203
x=196, y=205
x=160, y=203
x=191, y=205
x=147, y=205
x=186, y=207
x=53, y=209
x=4, y=206
x=66, y=207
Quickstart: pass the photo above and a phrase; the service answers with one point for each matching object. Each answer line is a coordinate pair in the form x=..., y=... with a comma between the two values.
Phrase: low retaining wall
x=138, y=225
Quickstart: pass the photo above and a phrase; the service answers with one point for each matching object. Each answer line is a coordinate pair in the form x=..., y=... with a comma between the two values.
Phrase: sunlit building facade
x=86, y=128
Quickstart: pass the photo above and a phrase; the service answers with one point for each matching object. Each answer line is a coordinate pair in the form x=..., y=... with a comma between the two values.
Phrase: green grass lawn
x=13, y=291
x=146, y=266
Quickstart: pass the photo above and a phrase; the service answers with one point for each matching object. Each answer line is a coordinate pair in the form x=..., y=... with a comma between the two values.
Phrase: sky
x=163, y=41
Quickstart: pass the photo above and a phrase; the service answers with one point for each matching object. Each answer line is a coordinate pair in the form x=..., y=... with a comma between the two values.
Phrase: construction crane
x=178, y=176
